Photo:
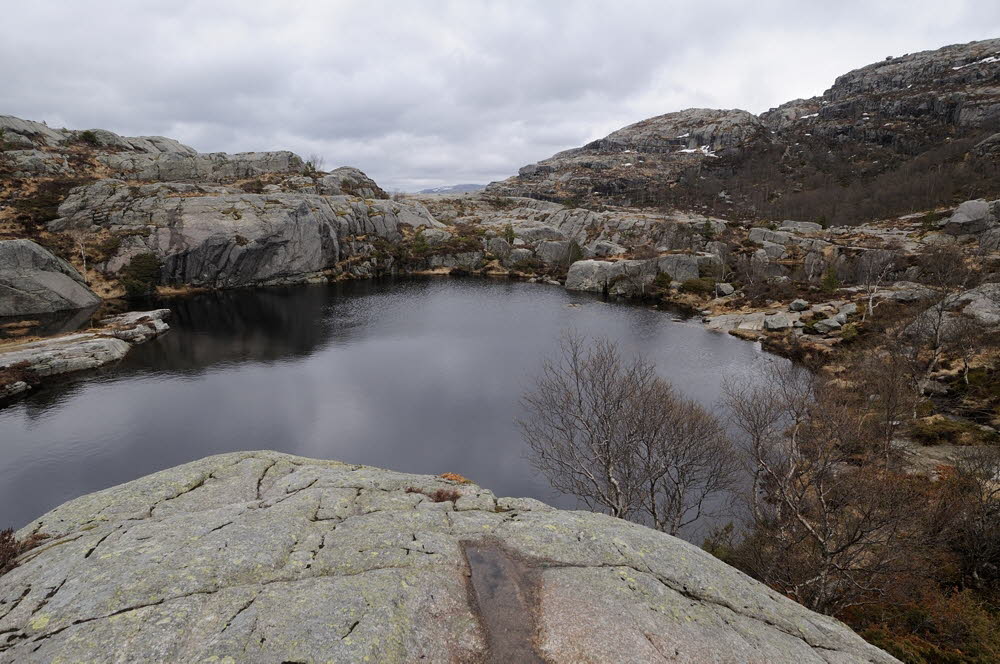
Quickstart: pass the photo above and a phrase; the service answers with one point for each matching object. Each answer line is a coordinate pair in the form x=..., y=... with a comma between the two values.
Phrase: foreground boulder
x=33, y=281
x=266, y=557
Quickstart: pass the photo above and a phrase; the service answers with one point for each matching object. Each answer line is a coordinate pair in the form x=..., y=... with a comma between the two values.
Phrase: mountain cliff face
x=904, y=134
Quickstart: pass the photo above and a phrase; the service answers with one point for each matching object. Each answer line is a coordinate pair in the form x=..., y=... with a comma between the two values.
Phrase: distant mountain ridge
x=904, y=134
x=454, y=189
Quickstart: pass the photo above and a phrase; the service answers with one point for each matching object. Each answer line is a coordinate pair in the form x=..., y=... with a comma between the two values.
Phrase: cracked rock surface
x=267, y=557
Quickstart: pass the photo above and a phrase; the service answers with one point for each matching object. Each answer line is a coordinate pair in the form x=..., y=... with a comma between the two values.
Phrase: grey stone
x=827, y=325
x=603, y=249
x=724, y=289
x=939, y=239
x=905, y=291
x=760, y=235
x=990, y=240
x=800, y=227
x=969, y=218
x=680, y=267
x=532, y=231
x=518, y=255
x=625, y=278
x=468, y=260
x=774, y=250
x=27, y=133
x=588, y=275
x=631, y=278
x=726, y=322
x=982, y=304
x=32, y=163
x=137, y=327
x=848, y=309
x=553, y=252
x=435, y=236
x=521, y=505
x=779, y=321
x=499, y=247
x=211, y=167
x=266, y=557
x=33, y=281
x=716, y=247
x=798, y=305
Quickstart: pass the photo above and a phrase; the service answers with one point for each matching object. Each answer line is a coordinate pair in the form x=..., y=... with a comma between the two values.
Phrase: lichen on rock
x=261, y=556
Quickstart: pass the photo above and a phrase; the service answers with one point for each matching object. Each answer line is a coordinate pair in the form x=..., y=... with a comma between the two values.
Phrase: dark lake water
x=420, y=376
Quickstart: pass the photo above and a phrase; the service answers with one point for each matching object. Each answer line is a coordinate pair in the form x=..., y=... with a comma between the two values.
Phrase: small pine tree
x=830, y=282
x=508, y=234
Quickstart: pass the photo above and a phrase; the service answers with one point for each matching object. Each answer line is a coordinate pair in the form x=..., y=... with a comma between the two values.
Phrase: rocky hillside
x=266, y=557
x=134, y=213
x=905, y=134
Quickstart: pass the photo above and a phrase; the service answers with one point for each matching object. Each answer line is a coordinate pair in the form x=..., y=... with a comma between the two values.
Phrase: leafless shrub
x=755, y=282
x=11, y=547
x=436, y=495
x=315, y=164
x=977, y=524
x=613, y=433
x=829, y=526
x=872, y=272
x=644, y=252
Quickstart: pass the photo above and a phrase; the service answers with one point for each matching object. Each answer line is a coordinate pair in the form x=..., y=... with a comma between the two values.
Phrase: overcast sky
x=421, y=93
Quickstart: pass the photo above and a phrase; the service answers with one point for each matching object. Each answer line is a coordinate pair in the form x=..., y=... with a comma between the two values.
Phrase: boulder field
x=266, y=557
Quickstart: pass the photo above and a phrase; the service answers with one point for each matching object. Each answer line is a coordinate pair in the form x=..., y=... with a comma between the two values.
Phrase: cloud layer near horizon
x=441, y=91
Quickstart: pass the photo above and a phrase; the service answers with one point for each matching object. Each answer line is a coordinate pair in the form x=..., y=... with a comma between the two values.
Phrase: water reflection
x=421, y=376
x=43, y=325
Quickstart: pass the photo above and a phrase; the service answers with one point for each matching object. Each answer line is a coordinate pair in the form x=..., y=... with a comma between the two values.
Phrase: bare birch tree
x=977, y=525
x=613, y=433
x=872, y=273
x=827, y=527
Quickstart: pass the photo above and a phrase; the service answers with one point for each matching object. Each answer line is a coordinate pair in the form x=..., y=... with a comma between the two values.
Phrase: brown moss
x=17, y=373
x=455, y=477
x=436, y=495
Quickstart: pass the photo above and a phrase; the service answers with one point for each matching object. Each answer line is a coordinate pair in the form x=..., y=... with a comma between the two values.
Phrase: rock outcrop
x=979, y=306
x=35, y=149
x=214, y=219
x=971, y=219
x=921, y=112
x=260, y=556
x=213, y=236
x=24, y=365
x=659, y=148
x=33, y=281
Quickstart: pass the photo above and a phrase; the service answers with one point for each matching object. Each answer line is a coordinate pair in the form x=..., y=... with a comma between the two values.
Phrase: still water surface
x=420, y=376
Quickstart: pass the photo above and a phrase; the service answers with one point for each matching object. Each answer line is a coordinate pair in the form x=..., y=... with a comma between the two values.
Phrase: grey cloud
x=437, y=92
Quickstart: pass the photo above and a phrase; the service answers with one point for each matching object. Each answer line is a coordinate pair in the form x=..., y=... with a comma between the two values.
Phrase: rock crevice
x=225, y=557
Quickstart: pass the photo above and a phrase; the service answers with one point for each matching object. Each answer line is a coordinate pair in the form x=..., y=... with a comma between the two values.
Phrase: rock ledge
x=261, y=556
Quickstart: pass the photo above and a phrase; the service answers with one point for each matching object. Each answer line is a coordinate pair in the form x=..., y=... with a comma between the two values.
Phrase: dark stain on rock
x=502, y=593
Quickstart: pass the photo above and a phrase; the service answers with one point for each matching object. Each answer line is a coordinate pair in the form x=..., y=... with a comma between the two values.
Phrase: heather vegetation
x=811, y=468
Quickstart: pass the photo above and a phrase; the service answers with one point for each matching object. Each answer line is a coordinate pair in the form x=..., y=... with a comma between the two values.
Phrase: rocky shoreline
x=25, y=365
x=261, y=556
